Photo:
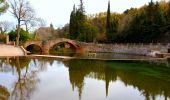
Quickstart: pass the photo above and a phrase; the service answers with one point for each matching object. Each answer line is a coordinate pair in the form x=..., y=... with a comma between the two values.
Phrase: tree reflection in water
x=4, y=94
x=150, y=79
x=26, y=70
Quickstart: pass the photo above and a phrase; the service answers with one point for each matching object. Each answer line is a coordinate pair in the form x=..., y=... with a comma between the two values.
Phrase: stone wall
x=138, y=49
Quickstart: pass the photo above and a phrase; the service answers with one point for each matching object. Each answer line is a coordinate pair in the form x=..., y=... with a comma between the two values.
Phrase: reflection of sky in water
x=7, y=80
x=55, y=83
x=117, y=91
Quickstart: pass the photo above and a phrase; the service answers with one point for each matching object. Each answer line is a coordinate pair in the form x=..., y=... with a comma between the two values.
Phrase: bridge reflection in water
x=151, y=80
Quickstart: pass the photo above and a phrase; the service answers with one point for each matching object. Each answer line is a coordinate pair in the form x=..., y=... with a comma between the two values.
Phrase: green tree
x=99, y=22
x=168, y=15
x=24, y=35
x=77, y=21
x=108, y=23
x=23, y=12
x=80, y=22
x=89, y=33
x=168, y=12
x=150, y=23
x=72, y=25
x=146, y=25
x=153, y=23
x=3, y=6
x=111, y=26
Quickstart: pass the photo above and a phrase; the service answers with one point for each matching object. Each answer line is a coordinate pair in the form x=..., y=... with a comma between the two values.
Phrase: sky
x=58, y=12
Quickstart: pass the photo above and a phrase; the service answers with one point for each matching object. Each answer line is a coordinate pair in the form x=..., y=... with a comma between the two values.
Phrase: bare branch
x=6, y=26
x=23, y=12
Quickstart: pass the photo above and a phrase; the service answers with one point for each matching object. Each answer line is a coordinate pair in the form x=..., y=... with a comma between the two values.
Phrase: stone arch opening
x=63, y=49
x=34, y=49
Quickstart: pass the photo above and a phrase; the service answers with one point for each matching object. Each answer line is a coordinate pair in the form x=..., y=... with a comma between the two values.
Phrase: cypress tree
x=159, y=21
x=168, y=13
x=72, y=25
x=109, y=24
x=148, y=23
x=81, y=8
x=168, y=19
x=79, y=28
x=81, y=20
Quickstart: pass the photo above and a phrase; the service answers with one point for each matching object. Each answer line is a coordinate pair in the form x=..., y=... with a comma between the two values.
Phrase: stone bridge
x=46, y=45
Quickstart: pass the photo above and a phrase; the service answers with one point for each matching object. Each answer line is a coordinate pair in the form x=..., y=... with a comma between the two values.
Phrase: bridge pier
x=80, y=50
x=45, y=47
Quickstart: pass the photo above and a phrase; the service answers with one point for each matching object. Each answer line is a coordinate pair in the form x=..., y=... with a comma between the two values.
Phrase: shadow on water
x=149, y=78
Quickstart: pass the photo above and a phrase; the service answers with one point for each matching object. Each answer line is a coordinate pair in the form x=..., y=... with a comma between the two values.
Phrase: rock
x=154, y=53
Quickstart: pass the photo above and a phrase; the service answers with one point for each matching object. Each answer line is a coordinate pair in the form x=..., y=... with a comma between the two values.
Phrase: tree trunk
x=18, y=34
x=26, y=26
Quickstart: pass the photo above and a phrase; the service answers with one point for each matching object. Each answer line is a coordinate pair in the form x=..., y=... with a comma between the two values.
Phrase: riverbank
x=133, y=49
x=9, y=50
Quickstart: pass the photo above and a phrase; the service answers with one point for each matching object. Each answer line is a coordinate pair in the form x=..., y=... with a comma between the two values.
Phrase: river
x=37, y=78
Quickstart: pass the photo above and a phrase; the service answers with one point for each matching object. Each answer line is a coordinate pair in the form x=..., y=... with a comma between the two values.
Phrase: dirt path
x=9, y=50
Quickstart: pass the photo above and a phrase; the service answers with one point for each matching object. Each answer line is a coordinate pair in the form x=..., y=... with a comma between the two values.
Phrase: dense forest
x=147, y=24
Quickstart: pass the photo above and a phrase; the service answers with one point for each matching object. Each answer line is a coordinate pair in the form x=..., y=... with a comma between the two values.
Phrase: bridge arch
x=63, y=40
x=38, y=44
x=33, y=48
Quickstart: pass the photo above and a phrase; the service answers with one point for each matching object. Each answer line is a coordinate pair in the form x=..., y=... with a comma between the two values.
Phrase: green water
x=53, y=79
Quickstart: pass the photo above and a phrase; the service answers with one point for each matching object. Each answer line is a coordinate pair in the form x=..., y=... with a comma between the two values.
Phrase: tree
x=81, y=7
x=72, y=25
x=168, y=13
x=90, y=32
x=109, y=25
x=40, y=22
x=3, y=6
x=24, y=35
x=23, y=12
x=5, y=26
x=77, y=22
x=30, y=19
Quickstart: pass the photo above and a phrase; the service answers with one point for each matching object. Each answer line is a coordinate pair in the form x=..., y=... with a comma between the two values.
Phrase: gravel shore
x=9, y=50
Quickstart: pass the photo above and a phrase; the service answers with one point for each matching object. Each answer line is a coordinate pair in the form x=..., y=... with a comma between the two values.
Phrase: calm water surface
x=53, y=79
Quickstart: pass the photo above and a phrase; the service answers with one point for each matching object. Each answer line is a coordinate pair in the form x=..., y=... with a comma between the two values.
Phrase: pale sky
x=58, y=12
